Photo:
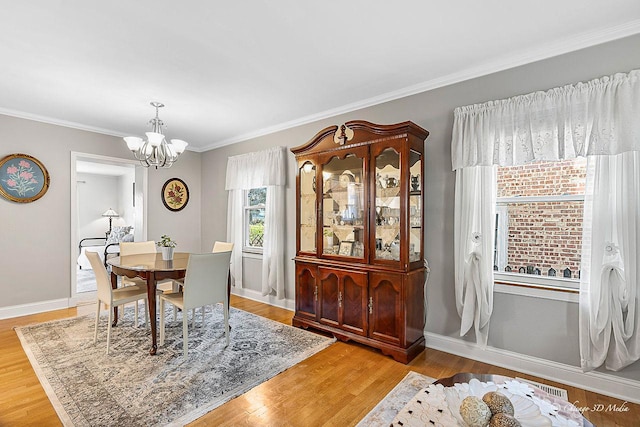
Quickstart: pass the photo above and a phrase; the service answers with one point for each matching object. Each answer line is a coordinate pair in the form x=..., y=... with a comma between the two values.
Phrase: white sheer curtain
x=609, y=289
x=474, y=221
x=265, y=168
x=235, y=230
x=599, y=117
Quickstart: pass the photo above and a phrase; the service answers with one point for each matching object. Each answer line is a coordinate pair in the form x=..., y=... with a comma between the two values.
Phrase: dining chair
x=137, y=248
x=217, y=247
x=113, y=297
x=222, y=247
x=205, y=283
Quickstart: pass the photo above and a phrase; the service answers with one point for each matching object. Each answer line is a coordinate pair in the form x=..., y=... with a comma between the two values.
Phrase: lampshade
x=154, y=138
x=133, y=142
x=179, y=145
x=110, y=213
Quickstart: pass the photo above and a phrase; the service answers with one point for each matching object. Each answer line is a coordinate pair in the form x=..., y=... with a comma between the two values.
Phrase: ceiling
x=229, y=71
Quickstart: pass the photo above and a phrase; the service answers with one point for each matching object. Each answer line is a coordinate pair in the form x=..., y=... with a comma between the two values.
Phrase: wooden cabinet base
x=400, y=354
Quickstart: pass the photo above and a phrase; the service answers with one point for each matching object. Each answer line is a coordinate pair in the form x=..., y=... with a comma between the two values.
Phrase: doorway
x=106, y=192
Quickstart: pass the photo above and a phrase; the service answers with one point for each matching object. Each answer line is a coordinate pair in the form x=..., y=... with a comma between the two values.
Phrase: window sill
x=537, y=291
x=252, y=254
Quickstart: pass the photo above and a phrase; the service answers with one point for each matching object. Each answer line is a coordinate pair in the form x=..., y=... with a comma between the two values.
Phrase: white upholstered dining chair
x=137, y=248
x=113, y=297
x=217, y=247
x=205, y=283
x=222, y=247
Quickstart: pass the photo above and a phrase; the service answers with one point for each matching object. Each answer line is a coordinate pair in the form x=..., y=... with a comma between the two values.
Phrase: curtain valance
x=593, y=118
x=257, y=169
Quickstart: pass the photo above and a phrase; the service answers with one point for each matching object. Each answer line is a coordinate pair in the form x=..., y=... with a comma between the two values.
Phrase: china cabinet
x=359, y=239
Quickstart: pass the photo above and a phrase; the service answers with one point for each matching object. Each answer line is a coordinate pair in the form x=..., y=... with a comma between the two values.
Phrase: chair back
x=102, y=277
x=205, y=281
x=222, y=247
x=135, y=248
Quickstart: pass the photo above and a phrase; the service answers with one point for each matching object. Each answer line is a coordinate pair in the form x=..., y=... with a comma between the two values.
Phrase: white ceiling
x=228, y=71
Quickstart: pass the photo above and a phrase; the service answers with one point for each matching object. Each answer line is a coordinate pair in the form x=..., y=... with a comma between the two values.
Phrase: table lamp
x=110, y=213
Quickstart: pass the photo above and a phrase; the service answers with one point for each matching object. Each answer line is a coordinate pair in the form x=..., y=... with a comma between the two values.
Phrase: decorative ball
x=504, y=420
x=498, y=403
x=475, y=412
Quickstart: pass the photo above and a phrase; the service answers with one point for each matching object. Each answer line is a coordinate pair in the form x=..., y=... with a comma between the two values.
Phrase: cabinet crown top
x=357, y=132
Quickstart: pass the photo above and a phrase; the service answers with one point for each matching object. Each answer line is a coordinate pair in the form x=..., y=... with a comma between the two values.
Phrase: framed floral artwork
x=23, y=178
x=175, y=194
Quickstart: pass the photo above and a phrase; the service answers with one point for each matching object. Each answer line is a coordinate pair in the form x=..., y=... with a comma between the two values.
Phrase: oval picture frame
x=23, y=178
x=175, y=194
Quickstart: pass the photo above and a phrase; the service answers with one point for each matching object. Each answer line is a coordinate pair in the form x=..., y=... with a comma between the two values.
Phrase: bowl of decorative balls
x=494, y=409
x=484, y=404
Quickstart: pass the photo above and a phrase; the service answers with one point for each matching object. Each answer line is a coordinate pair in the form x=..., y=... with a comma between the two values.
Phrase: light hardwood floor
x=336, y=387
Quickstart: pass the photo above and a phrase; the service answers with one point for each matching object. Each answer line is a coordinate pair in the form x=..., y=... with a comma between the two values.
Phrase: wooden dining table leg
x=151, y=298
x=114, y=285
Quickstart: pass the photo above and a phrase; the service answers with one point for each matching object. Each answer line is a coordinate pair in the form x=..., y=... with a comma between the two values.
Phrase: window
x=539, y=213
x=254, y=219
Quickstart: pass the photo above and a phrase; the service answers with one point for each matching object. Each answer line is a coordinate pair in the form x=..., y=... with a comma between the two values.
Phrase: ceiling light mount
x=156, y=151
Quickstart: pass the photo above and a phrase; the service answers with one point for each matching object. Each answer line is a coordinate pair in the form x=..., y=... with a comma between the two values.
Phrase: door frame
x=141, y=210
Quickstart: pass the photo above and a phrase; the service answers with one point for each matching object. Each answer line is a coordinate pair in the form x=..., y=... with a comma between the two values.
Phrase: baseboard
x=42, y=306
x=598, y=382
x=287, y=304
x=35, y=307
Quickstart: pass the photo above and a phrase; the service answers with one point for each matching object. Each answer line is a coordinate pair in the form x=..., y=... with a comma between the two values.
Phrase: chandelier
x=155, y=150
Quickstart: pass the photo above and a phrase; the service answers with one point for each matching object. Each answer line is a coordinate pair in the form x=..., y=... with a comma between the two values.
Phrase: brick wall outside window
x=544, y=234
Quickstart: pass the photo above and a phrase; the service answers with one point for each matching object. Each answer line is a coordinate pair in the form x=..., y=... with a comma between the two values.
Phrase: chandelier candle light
x=155, y=150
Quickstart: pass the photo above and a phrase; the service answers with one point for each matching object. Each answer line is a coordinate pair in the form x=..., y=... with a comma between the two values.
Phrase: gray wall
x=531, y=326
x=96, y=194
x=183, y=226
x=35, y=255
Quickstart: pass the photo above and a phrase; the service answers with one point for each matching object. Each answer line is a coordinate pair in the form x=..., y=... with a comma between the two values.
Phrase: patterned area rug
x=130, y=388
x=385, y=411
x=85, y=280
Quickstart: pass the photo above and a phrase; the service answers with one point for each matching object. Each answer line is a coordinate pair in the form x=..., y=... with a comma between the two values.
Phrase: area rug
x=386, y=410
x=85, y=281
x=130, y=388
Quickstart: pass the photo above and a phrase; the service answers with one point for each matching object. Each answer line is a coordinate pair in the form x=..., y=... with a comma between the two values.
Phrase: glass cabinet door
x=415, y=206
x=307, y=207
x=388, y=217
x=343, y=207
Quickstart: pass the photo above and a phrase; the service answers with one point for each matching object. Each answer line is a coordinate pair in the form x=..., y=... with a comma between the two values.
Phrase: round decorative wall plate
x=175, y=194
x=23, y=178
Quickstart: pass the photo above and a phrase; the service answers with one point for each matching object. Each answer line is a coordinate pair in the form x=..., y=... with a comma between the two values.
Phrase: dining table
x=152, y=268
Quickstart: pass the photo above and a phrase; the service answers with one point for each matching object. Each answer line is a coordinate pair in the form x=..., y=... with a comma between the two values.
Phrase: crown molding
x=550, y=50
x=59, y=122
x=71, y=125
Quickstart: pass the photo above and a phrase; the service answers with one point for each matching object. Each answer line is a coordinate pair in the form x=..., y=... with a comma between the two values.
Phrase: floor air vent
x=554, y=391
